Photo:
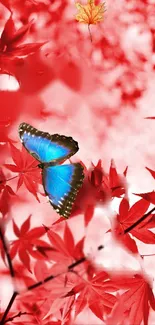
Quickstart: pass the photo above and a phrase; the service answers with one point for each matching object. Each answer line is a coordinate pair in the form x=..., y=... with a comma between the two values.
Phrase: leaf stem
x=9, y=179
x=147, y=255
x=90, y=33
x=138, y=221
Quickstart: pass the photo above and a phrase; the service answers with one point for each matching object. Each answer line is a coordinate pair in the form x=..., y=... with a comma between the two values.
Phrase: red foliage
x=66, y=249
x=26, y=167
x=28, y=242
x=99, y=188
x=11, y=39
x=6, y=193
x=129, y=216
x=94, y=92
x=134, y=304
x=94, y=293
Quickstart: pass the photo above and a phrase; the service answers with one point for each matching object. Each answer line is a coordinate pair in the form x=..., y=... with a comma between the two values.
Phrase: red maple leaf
x=6, y=194
x=149, y=196
x=99, y=188
x=94, y=293
x=114, y=183
x=11, y=39
x=126, y=218
x=26, y=166
x=66, y=249
x=28, y=242
x=134, y=304
x=152, y=172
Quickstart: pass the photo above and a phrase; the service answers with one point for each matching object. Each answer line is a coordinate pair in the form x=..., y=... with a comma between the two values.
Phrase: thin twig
x=10, y=319
x=12, y=273
x=14, y=295
x=9, y=179
x=52, y=277
x=147, y=255
x=138, y=221
x=40, y=283
x=7, y=253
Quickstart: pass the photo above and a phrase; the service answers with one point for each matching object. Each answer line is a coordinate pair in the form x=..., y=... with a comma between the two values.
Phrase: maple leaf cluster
x=75, y=87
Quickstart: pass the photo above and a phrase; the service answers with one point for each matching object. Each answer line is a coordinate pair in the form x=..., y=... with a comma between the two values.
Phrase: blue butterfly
x=61, y=182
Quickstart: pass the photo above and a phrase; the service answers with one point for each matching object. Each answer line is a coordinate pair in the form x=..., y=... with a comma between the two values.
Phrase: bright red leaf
x=152, y=172
x=11, y=39
x=95, y=294
x=134, y=304
x=67, y=250
x=29, y=243
x=149, y=196
x=126, y=218
x=6, y=194
x=98, y=187
x=26, y=166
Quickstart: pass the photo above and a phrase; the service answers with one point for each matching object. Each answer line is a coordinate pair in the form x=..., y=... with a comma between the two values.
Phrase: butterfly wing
x=45, y=147
x=61, y=184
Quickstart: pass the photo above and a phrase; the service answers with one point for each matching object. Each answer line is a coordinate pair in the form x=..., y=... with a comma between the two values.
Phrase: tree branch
x=6, y=252
x=3, y=320
x=38, y=284
x=12, y=273
x=70, y=267
x=138, y=221
x=15, y=316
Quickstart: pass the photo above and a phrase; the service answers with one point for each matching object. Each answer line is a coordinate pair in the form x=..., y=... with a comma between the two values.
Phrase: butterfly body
x=61, y=182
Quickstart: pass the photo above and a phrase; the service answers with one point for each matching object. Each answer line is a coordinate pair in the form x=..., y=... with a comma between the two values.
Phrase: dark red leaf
x=30, y=185
x=88, y=214
x=133, y=305
x=24, y=257
x=20, y=181
x=8, y=31
x=9, y=190
x=16, y=229
x=150, y=196
x=13, y=168
x=97, y=174
x=94, y=293
x=123, y=207
x=126, y=218
x=113, y=176
x=16, y=156
x=25, y=226
x=19, y=35
x=26, y=49
x=69, y=239
x=36, y=233
x=78, y=250
x=135, y=212
x=57, y=242
x=152, y=172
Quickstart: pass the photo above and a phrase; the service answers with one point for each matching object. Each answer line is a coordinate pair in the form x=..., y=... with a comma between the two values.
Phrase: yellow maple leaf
x=90, y=13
